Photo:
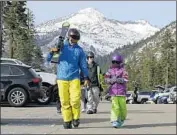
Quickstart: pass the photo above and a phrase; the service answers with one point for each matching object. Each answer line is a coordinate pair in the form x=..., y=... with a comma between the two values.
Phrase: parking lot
x=141, y=119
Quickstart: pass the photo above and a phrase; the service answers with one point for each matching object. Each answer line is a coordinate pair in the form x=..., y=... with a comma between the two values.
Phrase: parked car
x=152, y=99
x=172, y=95
x=19, y=84
x=11, y=61
x=164, y=97
x=48, y=80
x=143, y=96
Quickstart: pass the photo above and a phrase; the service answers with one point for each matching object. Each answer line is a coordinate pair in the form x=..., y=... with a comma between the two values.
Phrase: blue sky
x=157, y=13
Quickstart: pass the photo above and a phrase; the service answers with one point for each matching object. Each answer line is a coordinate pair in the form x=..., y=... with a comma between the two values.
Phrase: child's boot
x=120, y=122
x=115, y=124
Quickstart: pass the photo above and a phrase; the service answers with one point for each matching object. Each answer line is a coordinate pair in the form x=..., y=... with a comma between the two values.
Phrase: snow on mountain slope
x=142, y=27
x=154, y=42
x=98, y=33
x=157, y=39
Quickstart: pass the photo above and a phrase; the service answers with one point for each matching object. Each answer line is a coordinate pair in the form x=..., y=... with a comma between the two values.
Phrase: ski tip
x=66, y=24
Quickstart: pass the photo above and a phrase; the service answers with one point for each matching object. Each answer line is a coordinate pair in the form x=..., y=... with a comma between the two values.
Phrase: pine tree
x=20, y=32
x=168, y=58
x=10, y=25
x=15, y=26
x=37, y=52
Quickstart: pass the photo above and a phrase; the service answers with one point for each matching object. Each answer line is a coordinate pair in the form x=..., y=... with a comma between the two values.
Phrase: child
x=117, y=77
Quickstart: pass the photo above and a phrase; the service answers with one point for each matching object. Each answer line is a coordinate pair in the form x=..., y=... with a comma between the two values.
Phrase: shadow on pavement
x=30, y=105
x=144, y=111
x=150, y=125
x=137, y=126
x=133, y=111
x=44, y=121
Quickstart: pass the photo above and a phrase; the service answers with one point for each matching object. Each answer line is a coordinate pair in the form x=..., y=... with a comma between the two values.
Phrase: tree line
x=154, y=65
x=19, y=34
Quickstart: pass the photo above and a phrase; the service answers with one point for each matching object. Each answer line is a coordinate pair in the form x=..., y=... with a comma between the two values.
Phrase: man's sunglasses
x=115, y=62
x=91, y=57
x=74, y=37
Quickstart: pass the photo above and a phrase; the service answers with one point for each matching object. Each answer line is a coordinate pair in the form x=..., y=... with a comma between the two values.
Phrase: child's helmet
x=118, y=58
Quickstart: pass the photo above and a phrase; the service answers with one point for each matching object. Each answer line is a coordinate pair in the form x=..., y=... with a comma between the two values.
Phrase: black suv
x=19, y=84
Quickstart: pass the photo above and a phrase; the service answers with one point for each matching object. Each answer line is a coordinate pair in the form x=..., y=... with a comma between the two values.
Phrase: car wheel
x=17, y=97
x=44, y=100
x=127, y=101
x=143, y=101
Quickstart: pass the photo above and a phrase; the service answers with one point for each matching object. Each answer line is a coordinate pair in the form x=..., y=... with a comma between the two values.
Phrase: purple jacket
x=116, y=88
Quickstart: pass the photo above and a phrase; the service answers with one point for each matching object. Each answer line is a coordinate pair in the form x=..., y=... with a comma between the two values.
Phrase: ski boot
x=94, y=110
x=59, y=111
x=89, y=112
x=120, y=122
x=83, y=110
x=115, y=124
x=67, y=125
x=76, y=123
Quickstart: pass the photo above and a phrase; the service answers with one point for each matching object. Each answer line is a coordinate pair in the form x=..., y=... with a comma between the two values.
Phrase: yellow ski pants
x=70, y=95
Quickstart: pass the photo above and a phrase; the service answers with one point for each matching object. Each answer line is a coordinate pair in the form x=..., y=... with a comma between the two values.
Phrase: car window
x=8, y=61
x=16, y=71
x=166, y=91
x=5, y=70
x=127, y=95
x=33, y=72
x=145, y=93
x=19, y=62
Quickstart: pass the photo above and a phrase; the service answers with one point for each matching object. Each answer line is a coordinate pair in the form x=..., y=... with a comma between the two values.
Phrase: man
x=93, y=96
x=71, y=59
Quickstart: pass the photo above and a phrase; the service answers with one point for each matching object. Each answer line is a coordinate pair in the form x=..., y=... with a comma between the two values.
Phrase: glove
x=113, y=79
x=53, y=50
x=120, y=80
x=86, y=83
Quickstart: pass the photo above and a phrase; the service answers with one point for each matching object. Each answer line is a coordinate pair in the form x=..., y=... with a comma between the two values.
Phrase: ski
x=59, y=45
x=64, y=30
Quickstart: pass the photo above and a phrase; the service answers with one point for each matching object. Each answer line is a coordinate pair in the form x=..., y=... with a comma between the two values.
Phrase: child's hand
x=113, y=79
x=120, y=80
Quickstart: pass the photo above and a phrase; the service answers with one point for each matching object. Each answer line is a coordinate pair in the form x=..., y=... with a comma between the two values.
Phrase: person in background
x=93, y=92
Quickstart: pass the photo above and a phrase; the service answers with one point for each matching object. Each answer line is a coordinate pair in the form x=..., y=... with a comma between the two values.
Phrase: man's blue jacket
x=71, y=59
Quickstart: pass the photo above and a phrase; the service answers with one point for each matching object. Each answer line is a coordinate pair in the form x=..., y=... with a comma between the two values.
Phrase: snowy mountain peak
x=90, y=11
x=87, y=16
x=142, y=21
x=98, y=33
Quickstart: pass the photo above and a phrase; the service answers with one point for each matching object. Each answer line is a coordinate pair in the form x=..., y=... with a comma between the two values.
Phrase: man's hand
x=53, y=50
x=86, y=83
